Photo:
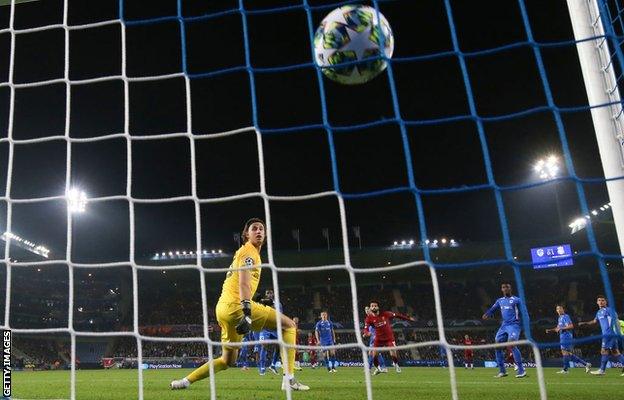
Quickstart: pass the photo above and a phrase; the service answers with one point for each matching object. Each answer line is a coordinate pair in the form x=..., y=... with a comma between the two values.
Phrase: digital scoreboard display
x=552, y=256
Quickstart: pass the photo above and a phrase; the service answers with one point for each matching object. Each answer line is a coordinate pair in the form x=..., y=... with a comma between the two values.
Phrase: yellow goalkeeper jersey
x=247, y=255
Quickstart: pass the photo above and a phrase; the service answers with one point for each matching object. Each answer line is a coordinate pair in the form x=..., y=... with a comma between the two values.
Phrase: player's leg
x=501, y=337
x=565, y=358
x=325, y=354
x=275, y=357
x=242, y=357
x=620, y=358
x=382, y=363
x=263, y=357
x=574, y=358
x=334, y=361
x=298, y=355
x=289, y=335
x=617, y=356
x=605, y=350
x=395, y=359
x=227, y=359
x=514, y=335
x=376, y=369
x=604, y=359
x=227, y=317
x=371, y=343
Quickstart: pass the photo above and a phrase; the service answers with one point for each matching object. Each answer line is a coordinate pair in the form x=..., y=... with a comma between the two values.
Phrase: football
x=348, y=43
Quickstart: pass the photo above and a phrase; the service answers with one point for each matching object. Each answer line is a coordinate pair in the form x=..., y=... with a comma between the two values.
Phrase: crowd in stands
x=40, y=353
x=170, y=308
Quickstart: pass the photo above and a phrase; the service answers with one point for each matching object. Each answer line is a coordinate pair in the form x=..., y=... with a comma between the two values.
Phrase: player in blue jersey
x=266, y=334
x=509, y=330
x=326, y=336
x=243, y=355
x=371, y=331
x=607, y=319
x=564, y=328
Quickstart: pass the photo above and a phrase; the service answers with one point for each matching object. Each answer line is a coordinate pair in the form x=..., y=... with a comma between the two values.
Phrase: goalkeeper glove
x=244, y=325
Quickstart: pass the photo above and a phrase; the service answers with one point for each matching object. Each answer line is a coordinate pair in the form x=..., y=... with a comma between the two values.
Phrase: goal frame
x=594, y=36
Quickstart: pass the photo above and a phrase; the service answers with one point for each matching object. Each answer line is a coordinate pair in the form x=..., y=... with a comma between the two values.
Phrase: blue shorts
x=508, y=333
x=267, y=335
x=610, y=343
x=327, y=342
x=566, y=343
x=257, y=347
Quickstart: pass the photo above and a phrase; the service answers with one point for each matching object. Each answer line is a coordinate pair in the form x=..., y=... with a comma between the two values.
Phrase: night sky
x=297, y=161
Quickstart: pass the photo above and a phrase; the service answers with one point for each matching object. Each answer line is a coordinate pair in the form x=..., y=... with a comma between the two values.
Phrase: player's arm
x=316, y=334
x=244, y=291
x=490, y=311
x=367, y=324
x=333, y=332
x=592, y=322
x=401, y=316
x=555, y=329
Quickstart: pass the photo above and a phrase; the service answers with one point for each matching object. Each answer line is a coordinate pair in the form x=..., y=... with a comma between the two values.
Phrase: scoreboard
x=552, y=256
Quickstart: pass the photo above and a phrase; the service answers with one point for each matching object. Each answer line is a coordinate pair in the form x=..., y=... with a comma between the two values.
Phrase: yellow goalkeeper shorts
x=230, y=314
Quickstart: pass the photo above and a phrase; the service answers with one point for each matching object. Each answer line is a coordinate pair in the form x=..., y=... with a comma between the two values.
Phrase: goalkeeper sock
x=376, y=361
x=289, y=335
x=202, y=372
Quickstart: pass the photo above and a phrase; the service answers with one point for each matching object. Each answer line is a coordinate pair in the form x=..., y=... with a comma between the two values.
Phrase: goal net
x=181, y=120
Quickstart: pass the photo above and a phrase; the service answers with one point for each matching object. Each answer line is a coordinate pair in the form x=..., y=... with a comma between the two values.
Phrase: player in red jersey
x=384, y=337
x=468, y=353
x=312, y=342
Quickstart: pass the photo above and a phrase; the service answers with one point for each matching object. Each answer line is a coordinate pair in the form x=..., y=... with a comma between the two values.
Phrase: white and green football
x=354, y=35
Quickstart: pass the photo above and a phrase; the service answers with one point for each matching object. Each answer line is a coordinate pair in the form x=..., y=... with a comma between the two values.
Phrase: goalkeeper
x=237, y=314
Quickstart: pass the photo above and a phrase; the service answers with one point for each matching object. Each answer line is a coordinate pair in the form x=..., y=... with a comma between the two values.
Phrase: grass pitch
x=346, y=384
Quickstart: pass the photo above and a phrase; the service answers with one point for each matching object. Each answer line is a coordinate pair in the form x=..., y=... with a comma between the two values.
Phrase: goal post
x=598, y=53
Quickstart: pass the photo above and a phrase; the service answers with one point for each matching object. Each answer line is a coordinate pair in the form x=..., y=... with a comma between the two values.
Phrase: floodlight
x=76, y=200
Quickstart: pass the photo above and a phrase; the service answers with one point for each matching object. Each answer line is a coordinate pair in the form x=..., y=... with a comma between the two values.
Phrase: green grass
x=347, y=384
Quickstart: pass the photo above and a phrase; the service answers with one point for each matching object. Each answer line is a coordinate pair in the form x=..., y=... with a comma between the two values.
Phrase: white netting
x=197, y=202
x=189, y=134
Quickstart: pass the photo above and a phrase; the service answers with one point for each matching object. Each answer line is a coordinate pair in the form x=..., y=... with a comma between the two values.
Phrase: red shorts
x=468, y=354
x=384, y=343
